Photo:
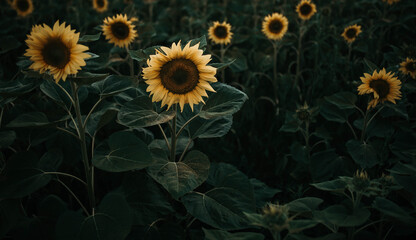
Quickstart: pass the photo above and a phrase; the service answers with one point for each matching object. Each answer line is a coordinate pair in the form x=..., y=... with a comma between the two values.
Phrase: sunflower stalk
x=299, y=53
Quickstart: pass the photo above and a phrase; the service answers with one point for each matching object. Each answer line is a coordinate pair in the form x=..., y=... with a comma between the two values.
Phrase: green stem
x=91, y=111
x=75, y=196
x=186, y=124
x=364, y=126
x=68, y=175
x=222, y=52
x=186, y=148
x=299, y=53
x=164, y=136
x=274, y=43
x=173, y=136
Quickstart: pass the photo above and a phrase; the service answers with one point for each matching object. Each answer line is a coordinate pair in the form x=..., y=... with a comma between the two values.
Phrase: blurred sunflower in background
x=275, y=26
x=100, y=5
x=179, y=75
x=351, y=32
x=390, y=2
x=306, y=9
x=119, y=30
x=408, y=67
x=22, y=7
x=384, y=86
x=56, y=50
x=220, y=33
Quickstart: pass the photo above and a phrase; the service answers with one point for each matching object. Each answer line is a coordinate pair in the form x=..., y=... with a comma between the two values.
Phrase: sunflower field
x=197, y=119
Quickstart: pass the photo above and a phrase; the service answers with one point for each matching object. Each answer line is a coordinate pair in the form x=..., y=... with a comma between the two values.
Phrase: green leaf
x=182, y=177
x=68, y=225
x=138, y=55
x=262, y=192
x=298, y=225
x=370, y=66
x=291, y=124
x=10, y=213
x=221, y=235
x=210, y=128
x=8, y=43
x=391, y=209
x=20, y=183
x=332, y=113
x=226, y=101
x=326, y=165
x=18, y=87
x=165, y=229
x=221, y=66
x=30, y=119
x=126, y=152
x=89, y=38
x=201, y=40
x=51, y=207
x=99, y=227
x=343, y=100
x=336, y=185
x=87, y=78
x=7, y=138
x=51, y=89
x=362, y=153
x=51, y=160
x=307, y=204
x=113, y=84
x=343, y=217
x=103, y=114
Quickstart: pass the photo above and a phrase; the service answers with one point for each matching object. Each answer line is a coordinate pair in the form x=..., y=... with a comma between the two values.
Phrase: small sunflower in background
x=306, y=9
x=119, y=30
x=390, y=2
x=220, y=33
x=100, y=5
x=408, y=67
x=275, y=26
x=179, y=75
x=351, y=32
x=384, y=86
x=22, y=7
x=55, y=49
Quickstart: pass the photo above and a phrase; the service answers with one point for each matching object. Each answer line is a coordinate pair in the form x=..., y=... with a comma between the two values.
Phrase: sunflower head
x=55, y=49
x=220, y=33
x=119, y=30
x=409, y=67
x=306, y=9
x=179, y=75
x=390, y=2
x=22, y=7
x=275, y=26
x=351, y=32
x=384, y=86
x=100, y=5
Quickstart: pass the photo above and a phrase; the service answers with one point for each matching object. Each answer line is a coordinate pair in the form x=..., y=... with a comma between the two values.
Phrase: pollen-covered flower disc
x=23, y=7
x=351, y=32
x=179, y=75
x=409, y=67
x=55, y=49
x=306, y=9
x=220, y=33
x=384, y=86
x=119, y=30
x=100, y=5
x=275, y=26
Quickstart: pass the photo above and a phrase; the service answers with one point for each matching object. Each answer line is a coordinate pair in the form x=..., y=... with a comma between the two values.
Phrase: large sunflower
x=55, y=50
x=220, y=33
x=100, y=5
x=179, y=75
x=275, y=26
x=119, y=30
x=409, y=67
x=351, y=32
x=306, y=9
x=384, y=86
x=23, y=7
x=390, y=2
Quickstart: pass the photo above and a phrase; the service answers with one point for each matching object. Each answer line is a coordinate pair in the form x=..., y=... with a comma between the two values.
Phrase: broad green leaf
x=100, y=227
x=165, y=229
x=211, y=234
x=336, y=185
x=307, y=204
x=210, y=128
x=362, y=153
x=52, y=90
x=89, y=38
x=201, y=40
x=333, y=113
x=291, y=124
x=52, y=207
x=103, y=114
x=68, y=225
x=262, y=192
x=221, y=66
x=299, y=225
x=370, y=66
x=87, y=78
x=51, y=160
x=326, y=165
x=10, y=213
x=343, y=217
x=113, y=84
x=30, y=119
x=17, y=87
x=20, y=183
x=138, y=55
x=343, y=100
x=7, y=138
x=391, y=209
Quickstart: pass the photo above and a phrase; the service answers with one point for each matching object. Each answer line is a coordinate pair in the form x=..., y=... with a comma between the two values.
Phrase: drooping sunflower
x=275, y=26
x=119, y=30
x=351, y=32
x=408, y=67
x=100, y=5
x=55, y=49
x=179, y=75
x=390, y=2
x=384, y=86
x=22, y=7
x=220, y=33
x=306, y=9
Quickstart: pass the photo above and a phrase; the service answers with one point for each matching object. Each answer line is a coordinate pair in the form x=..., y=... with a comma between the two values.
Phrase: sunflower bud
x=276, y=217
x=303, y=113
x=360, y=181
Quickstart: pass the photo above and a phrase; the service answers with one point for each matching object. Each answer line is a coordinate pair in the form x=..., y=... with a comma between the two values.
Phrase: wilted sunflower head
x=220, y=33
x=179, y=75
x=390, y=2
x=55, y=49
x=100, y=5
x=408, y=67
x=306, y=9
x=351, y=32
x=384, y=86
x=23, y=7
x=119, y=30
x=275, y=26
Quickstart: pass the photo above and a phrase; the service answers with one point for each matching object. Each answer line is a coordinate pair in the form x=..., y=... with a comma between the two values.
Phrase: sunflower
x=100, y=5
x=220, y=33
x=409, y=67
x=390, y=2
x=119, y=30
x=22, y=7
x=275, y=26
x=306, y=9
x=384, y=86
x=55, y=50
x=351, y=32
x=179, y=75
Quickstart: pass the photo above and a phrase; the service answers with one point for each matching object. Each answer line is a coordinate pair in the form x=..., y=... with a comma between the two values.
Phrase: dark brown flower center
x=120, y=30
x=305, y=9
x=411, y=66
x=381, y=86
x=22, y=5
x=179, y=76
x=351, y=33
x=56, y=53
x=221, y=32
x=275, y=26
x=100, y=3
